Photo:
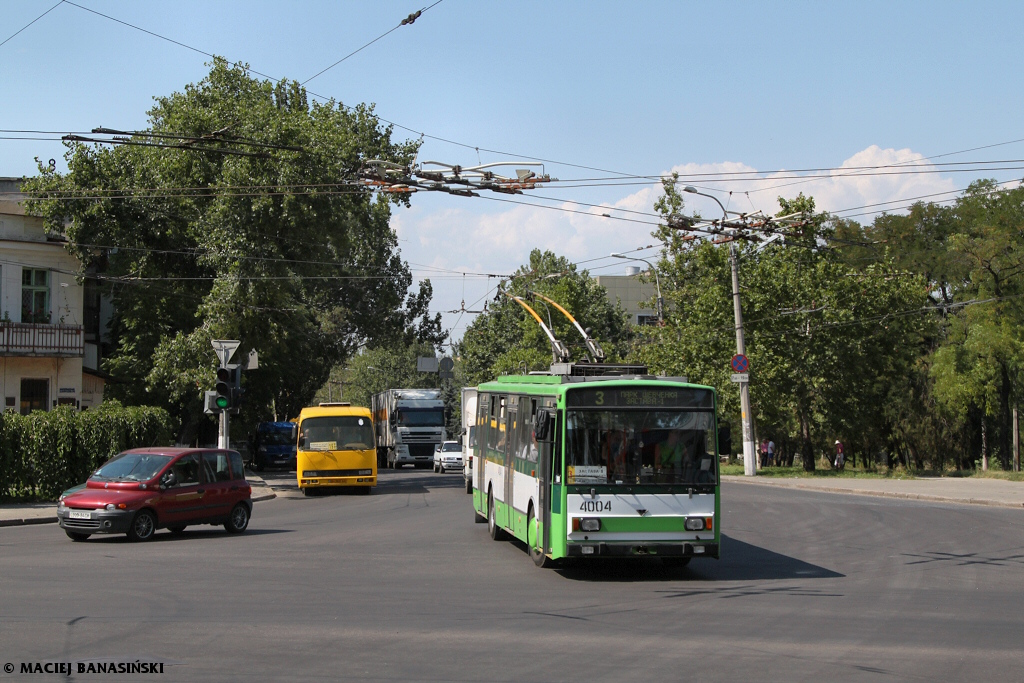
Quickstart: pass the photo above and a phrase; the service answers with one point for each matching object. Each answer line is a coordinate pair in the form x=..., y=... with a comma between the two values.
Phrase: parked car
x=448, y=457
x=145, y=489
x=273, y=446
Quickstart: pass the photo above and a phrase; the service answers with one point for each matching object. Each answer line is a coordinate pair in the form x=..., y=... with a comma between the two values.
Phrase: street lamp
x=746, y=419
x=657, y=283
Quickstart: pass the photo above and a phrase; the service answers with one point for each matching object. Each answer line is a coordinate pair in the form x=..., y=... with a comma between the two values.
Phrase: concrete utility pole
x=746, y=418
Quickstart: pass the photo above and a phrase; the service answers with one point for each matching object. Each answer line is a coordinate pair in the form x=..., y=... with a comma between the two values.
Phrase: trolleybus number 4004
x=596, y=506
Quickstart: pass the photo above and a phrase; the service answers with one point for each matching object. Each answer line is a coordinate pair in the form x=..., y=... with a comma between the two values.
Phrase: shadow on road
x=740, y=562
x=196, y=533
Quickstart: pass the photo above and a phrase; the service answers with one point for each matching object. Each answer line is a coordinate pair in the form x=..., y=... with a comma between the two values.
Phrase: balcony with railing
x=39, y=339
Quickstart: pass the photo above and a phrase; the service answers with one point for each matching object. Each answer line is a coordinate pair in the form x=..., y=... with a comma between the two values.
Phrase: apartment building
x=48, y=354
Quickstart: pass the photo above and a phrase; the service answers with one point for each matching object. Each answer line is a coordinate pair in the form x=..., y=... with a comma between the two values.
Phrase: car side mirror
x=724, y=440
x=295, y=432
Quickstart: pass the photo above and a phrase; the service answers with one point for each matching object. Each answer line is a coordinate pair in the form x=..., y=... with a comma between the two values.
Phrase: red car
x=145, y=489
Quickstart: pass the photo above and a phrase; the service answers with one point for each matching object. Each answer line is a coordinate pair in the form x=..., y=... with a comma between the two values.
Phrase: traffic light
x=227, y=394
x=223, y=388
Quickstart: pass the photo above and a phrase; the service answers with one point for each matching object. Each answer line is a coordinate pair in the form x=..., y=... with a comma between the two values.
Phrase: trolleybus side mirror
x=542, y=427
x=724, y=440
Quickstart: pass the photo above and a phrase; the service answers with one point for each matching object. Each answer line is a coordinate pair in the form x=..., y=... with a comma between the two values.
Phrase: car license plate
x=80, y=514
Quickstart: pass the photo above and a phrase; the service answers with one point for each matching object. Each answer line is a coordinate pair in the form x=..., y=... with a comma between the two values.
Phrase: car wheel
x=75, y=536
x=533, y=540
x=492, y=521
x=440, y=468
x=364, y=490
x=435, y=468
x=177, y=530
x=306, y=491
x=143, y=526
x=238, y=520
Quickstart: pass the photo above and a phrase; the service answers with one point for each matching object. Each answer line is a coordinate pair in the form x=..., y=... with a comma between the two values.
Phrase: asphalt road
x=403, y=586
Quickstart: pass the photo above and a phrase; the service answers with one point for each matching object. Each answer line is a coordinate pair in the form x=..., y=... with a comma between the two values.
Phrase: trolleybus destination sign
x=650, y=397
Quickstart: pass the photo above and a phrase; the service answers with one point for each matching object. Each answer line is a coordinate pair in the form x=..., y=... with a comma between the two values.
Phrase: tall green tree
x=980, y=363
x=255, y=231
x=823, y=338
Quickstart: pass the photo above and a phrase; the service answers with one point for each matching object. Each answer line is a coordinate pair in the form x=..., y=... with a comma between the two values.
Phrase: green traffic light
x=222, y=402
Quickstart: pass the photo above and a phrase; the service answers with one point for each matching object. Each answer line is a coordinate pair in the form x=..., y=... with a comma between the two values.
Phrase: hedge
x=44, y=453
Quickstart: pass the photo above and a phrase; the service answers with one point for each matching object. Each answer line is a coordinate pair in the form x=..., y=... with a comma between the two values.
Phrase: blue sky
x=633, y=87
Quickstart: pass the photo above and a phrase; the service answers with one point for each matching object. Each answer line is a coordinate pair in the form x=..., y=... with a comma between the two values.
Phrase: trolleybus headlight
x=591, y=524
x=694, y=524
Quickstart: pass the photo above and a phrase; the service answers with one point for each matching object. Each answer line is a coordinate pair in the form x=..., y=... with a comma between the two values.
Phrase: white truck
x=409, y=425
x=468, y=435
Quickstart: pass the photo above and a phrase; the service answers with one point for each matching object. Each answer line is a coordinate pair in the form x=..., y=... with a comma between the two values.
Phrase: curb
x=28, y=520
x=52, y=519
x=885, y=494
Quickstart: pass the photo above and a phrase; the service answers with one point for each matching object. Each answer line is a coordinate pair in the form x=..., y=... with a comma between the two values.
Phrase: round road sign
x=740, y=363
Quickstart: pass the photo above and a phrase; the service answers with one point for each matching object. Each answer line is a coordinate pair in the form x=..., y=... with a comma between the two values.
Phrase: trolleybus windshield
x=627, y=447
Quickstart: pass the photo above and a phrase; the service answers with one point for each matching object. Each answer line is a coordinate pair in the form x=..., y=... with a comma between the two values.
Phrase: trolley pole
x=746, y=417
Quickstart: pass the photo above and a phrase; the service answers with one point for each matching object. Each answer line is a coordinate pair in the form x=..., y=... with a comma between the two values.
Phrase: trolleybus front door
x=510, y=461
x=544, y=486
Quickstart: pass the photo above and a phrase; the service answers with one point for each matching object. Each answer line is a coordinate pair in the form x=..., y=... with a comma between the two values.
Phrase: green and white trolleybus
x=591, y=461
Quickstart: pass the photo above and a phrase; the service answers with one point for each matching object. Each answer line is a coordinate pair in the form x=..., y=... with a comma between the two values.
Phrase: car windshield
x=640, y=447
x=132, y=467
x=452, y=448
x=278, y=437
x=337, y=433
x=421, y=417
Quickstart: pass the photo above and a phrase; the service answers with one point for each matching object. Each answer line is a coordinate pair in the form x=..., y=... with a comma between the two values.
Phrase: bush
x=43, y=454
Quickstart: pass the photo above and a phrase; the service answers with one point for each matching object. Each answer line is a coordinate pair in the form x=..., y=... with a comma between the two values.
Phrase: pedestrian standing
x=764, y=453
x=840, y=461
x=771, y=454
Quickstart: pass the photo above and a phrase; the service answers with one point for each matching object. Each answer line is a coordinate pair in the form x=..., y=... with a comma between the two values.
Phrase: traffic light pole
x=224, y=439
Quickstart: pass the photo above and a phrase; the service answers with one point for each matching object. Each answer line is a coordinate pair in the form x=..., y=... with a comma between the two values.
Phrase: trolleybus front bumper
x=632, y=549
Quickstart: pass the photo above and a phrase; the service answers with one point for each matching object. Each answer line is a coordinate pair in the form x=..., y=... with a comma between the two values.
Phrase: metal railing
x=38, y=339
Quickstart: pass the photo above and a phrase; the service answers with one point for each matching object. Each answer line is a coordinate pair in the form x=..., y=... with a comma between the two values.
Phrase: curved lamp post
x=657, y=283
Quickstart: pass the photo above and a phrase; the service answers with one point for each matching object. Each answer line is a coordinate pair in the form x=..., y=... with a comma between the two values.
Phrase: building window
x=34, y=395
x=647, y=320
x=35, y=295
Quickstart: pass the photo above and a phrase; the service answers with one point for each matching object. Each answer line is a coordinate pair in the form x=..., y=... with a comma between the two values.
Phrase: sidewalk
x=45, y=513
x=969, y=491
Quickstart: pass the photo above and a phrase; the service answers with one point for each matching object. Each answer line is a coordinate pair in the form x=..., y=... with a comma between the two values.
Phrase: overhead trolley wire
x=31, y=22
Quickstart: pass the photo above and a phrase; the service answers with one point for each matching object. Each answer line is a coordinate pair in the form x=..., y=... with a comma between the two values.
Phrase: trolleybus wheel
x=536, y=554
x=492, y=520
